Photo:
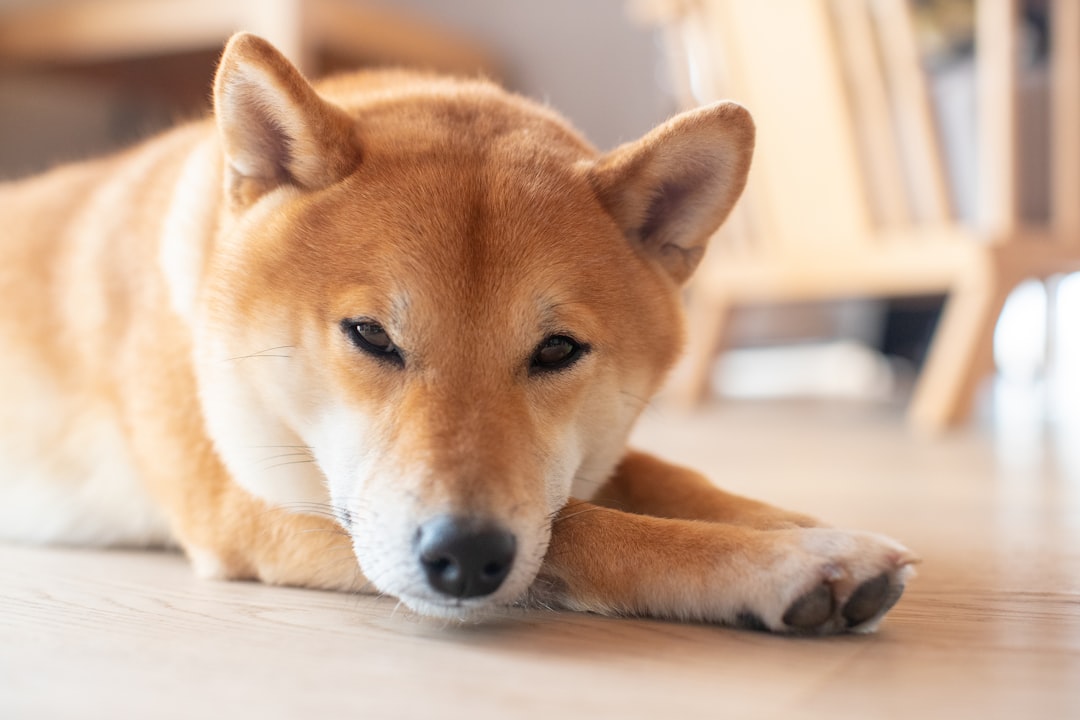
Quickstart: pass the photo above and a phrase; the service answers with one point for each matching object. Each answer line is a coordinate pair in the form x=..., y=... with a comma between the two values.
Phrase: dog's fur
x=179, y=361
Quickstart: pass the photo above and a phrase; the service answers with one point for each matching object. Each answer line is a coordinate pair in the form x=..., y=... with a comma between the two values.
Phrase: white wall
x=587, y=58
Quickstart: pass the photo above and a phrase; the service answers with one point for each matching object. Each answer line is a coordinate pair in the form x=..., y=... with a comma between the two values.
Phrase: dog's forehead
x=476, y=218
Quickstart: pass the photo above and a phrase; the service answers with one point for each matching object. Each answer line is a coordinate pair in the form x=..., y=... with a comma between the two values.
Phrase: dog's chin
x=476, y=609
x=473, y=610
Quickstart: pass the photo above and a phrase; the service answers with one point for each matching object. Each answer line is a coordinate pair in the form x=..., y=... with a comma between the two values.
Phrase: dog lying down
x=414, y=311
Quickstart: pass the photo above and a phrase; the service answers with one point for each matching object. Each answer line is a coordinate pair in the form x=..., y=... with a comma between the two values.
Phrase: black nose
x=465, y=558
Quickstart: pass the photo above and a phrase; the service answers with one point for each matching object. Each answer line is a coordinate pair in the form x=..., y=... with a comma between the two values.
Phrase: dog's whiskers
x=341, y=516
x=328, y=531
x=564, y=518
x=292, y=462
x=297, y=453
x=309, y=505
x=267, y=353
x=569, y=505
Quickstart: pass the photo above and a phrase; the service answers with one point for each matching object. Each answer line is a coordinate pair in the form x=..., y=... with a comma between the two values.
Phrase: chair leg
x=708, y=317
x=961, y=354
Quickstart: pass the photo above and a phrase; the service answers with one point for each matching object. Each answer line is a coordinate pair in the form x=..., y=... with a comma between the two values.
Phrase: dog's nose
x=464, y=558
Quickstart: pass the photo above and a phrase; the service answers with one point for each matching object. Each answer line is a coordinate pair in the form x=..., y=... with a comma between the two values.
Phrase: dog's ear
x=274, y=127
x=670, y=190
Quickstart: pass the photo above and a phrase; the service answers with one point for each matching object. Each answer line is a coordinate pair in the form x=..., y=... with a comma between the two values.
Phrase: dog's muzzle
x=465, y=557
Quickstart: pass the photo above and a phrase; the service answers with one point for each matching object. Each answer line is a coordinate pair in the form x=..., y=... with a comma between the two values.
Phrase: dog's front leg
x=799, y=580
x=646, y=485
x=230, y=534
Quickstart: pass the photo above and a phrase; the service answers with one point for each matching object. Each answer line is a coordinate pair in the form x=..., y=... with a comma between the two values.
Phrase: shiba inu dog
x=391, y=332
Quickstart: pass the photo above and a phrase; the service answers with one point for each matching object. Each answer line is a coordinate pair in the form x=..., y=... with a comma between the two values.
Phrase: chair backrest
x=1065, y=121
x=777, y=58
x=848, y=149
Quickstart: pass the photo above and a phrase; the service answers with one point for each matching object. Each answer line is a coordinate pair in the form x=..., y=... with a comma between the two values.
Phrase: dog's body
x=415, y=312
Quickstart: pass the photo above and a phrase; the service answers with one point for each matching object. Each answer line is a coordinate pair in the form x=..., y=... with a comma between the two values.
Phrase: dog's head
x=448, y=299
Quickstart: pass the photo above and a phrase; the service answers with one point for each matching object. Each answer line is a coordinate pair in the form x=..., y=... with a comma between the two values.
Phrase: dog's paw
x=829, y=581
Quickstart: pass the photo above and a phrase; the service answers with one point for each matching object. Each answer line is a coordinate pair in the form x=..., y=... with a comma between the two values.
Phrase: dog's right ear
x=274, y=127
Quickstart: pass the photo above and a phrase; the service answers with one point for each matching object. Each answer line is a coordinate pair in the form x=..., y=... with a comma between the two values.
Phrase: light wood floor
x=989, y=629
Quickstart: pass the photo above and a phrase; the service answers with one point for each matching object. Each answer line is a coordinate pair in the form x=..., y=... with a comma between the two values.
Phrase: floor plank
x=990, y=628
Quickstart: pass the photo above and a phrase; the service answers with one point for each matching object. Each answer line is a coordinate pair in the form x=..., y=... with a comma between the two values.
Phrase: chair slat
x=918, y=135
x=872, y=113
x=997, y=204
x=1065, y=120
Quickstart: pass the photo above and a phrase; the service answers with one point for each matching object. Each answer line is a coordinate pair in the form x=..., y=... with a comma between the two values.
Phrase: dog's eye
x=557, y=352
x=372, y=338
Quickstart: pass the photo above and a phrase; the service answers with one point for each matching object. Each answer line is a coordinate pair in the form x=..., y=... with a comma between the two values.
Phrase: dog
x=390, y=333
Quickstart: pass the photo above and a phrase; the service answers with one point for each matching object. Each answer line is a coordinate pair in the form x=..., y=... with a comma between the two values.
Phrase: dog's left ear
x=274, y=127
x=671, y=190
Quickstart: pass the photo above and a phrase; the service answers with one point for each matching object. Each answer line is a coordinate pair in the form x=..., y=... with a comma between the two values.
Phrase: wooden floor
x=989, y=629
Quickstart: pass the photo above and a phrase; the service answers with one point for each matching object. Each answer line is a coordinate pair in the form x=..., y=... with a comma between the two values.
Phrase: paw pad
x=816, y=611
x=811, y=610
x=867, y=601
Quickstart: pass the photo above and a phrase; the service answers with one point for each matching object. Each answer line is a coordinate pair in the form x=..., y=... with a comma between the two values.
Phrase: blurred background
x=69, y=91
x=909, y=151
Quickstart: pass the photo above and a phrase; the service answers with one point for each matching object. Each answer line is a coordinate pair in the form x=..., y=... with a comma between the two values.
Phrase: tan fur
x=173, y=326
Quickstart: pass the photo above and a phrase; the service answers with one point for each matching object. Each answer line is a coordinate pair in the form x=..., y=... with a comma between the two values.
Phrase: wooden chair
x=848, y=197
